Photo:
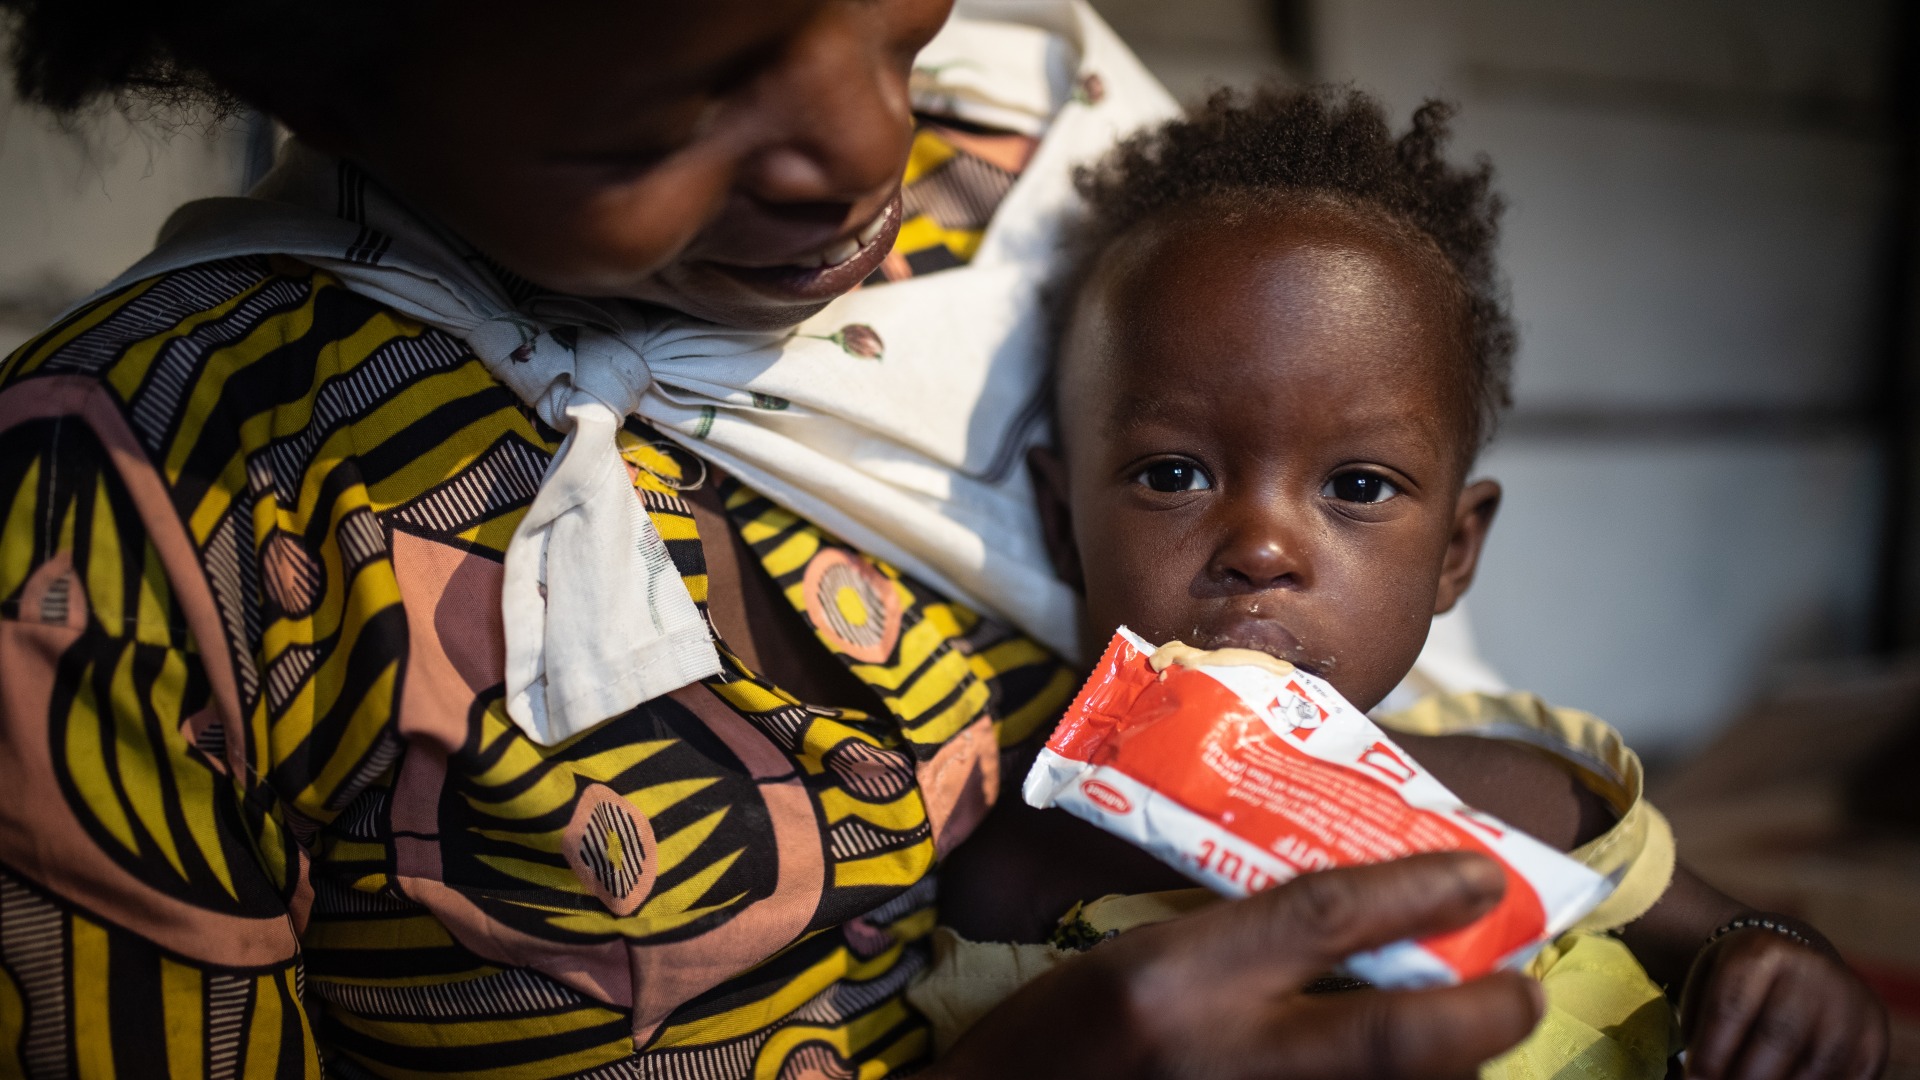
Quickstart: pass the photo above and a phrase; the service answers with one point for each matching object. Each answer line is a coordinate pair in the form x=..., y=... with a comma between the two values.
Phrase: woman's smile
x=816, y=275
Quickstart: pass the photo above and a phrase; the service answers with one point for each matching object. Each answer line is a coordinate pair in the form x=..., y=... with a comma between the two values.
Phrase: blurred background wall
x=81, y=202
x=1702, y=466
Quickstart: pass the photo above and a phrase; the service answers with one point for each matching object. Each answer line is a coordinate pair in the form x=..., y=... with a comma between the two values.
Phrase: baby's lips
x=1251, y=632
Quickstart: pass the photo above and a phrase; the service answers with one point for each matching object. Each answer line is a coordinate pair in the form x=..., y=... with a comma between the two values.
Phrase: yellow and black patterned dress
x=263, y=808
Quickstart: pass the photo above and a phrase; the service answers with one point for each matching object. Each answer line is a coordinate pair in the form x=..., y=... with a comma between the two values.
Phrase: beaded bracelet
x=1759, y=922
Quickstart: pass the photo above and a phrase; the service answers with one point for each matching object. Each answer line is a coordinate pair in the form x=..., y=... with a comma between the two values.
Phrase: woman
x=353, y=707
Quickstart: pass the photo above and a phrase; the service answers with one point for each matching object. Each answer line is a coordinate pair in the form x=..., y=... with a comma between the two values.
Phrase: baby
x=1283, y=345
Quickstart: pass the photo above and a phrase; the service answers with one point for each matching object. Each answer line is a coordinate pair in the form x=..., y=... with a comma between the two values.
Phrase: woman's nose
x=1260, y=552
x=845, y=121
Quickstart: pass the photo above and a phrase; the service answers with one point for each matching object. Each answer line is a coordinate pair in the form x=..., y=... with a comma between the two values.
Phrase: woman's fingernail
x=1483, y=878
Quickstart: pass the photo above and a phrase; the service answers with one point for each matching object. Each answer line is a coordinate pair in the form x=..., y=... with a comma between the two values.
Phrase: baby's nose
x=1260, y=562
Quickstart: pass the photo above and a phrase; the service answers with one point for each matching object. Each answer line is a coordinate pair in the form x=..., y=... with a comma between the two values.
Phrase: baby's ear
x=1049, y=475
x=1472, y=520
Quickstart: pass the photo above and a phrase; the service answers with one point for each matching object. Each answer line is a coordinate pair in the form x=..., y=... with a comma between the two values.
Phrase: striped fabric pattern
x=268, y=810
x=956, y=176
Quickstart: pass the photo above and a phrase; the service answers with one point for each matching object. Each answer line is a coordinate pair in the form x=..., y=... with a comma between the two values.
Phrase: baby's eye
x=1359, y=487
x=1174, y=476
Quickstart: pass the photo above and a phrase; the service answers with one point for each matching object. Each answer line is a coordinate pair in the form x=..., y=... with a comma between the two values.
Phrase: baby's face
x=1262, y=444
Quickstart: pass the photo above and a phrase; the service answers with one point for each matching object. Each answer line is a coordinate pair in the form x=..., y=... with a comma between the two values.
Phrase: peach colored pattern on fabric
x=658, y=978
x=43, y=837
x=612, y=850
x=88, y=401
x=455, y=647
x=960, y=784
x=435, y=719
x=853, y=605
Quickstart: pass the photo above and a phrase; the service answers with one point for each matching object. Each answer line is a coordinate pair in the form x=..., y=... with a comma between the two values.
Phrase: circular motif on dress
x=610, y=845
x=853, y=605
x=290, y=574
x=869, y=772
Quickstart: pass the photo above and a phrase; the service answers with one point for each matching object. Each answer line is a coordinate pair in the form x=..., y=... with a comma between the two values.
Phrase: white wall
x=1655, y=584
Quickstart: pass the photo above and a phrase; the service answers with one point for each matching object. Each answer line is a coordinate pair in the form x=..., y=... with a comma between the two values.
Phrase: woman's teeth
x=847, y=249
x=840, y=252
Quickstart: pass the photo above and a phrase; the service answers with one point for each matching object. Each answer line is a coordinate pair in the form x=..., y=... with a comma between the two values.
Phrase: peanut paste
x=1179, y=652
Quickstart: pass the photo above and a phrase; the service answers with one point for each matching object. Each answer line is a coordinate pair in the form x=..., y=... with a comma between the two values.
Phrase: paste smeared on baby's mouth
x=1179, y=652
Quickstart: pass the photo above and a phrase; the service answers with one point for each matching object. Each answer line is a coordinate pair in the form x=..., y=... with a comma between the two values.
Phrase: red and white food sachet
x=1243, y=777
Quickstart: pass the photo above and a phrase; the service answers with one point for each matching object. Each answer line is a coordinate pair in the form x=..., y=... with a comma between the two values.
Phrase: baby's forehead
x=1231, y=245
x=1234, y=296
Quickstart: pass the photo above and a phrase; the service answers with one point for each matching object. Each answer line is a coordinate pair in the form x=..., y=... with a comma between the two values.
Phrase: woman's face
x=738, y=160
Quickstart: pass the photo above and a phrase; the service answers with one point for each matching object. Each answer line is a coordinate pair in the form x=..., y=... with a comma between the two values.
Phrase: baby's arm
x=1757, y=1002
x=1522, y=786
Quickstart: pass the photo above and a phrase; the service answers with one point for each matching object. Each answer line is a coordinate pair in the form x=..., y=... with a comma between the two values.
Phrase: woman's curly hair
x=1277, y=145
x=276, y=55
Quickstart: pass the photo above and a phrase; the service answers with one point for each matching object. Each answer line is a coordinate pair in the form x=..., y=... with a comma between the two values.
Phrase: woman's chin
x=748, y=312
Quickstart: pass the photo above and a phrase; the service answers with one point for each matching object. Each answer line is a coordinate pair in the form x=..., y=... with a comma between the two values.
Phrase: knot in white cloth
x=550, y=365
x=598, y=618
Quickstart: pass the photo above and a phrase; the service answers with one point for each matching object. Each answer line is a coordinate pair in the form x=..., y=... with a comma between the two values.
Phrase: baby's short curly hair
x=1278, y=145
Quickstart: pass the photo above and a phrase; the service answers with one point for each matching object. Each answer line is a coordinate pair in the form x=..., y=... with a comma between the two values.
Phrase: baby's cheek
x=1374, y=629
x=1138, y=596
x=1136, y=578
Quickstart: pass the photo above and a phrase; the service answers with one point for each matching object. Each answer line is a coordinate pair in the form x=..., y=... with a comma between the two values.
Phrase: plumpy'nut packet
x=1243, y=772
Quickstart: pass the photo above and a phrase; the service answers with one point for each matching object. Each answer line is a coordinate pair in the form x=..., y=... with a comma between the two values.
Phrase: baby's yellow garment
x=968, y=978
x=1605, y=1018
